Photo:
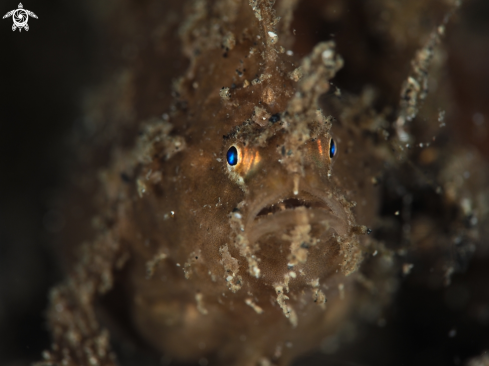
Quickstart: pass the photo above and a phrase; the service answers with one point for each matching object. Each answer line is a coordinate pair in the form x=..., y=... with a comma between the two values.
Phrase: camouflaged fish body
x=242, y=217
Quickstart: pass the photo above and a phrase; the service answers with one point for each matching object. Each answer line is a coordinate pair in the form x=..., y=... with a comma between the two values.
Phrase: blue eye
x=332, y=149
x=232, y=156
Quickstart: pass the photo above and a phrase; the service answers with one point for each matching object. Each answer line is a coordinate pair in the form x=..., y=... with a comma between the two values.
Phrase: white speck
x=452, y=333
x=327, y=55
x=271, y=34
x=292, y=274
x=229, y=278
x=341, y=289
x=178, y=264
x=218, y=159
x=255, y=307
x=289, y=53
x=406, y=268
x=374, y=253
x=237, y=215
x=296, y=185
x=466, y=206
x=141, y=187
x=256, y=271
x=473, y=221
x=441, y=116
x=403, y=135
x=396, y=213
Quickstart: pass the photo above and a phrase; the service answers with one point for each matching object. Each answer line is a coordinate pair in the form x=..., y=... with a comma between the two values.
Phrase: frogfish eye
x=232, y=156
x=332, y=149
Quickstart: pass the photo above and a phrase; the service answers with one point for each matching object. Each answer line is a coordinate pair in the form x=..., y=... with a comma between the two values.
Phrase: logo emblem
x=20, y=17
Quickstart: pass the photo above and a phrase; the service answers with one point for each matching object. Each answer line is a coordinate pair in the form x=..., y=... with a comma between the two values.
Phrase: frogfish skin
x=236, y=228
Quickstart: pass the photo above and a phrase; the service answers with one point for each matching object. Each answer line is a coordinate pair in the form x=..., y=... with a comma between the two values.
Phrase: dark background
x=43, y=75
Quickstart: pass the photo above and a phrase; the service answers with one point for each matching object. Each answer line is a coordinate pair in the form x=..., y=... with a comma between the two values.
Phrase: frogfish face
x=296, y=226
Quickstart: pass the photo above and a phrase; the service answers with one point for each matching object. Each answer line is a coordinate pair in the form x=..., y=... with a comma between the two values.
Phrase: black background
x=43, y=74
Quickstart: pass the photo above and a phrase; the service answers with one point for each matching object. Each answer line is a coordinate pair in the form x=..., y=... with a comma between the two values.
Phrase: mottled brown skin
x=234, y=264
x=199, y=300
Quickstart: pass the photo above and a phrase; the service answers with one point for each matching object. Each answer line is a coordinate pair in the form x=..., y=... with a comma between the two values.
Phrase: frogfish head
x=294, y=226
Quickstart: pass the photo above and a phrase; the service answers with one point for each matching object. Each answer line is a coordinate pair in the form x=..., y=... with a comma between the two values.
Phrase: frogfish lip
x=298, y=232
x=308, y=207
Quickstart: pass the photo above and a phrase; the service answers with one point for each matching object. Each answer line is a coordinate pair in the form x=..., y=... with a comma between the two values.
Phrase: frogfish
x=233, y=218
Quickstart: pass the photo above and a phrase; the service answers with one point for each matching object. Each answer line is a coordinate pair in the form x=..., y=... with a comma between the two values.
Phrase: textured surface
x=233, y=265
